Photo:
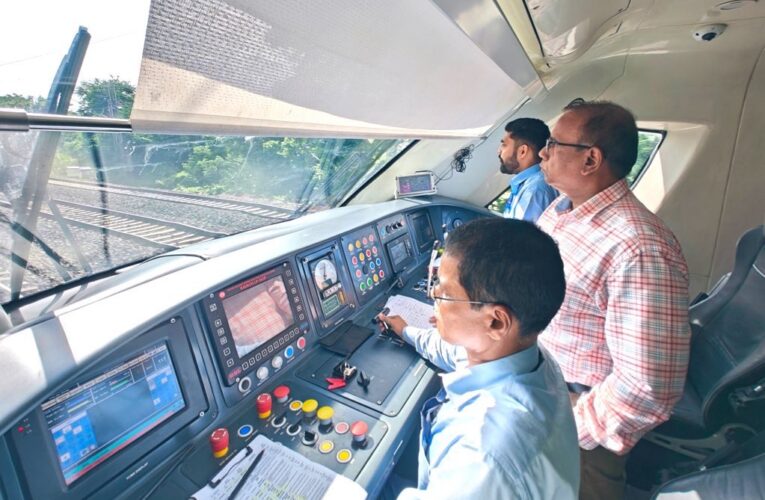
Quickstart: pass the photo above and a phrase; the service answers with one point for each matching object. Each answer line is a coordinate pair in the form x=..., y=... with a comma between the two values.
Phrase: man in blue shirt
x=502, y=426
x=519, y=156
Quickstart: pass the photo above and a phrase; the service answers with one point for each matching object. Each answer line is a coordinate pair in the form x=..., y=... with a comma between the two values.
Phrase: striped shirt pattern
x=623, y=326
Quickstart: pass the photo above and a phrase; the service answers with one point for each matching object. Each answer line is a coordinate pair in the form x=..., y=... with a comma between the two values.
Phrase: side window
x=648, y=143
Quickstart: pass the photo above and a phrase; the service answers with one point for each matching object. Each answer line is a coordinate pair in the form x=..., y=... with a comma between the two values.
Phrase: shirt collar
x=519, y=179
x=595, y=204
x=477, y=377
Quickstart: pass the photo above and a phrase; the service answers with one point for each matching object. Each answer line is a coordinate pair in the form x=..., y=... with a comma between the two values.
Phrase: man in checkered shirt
x=621, y=336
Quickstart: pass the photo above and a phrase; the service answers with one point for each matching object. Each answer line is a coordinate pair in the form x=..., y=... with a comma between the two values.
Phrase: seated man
x=502, y=426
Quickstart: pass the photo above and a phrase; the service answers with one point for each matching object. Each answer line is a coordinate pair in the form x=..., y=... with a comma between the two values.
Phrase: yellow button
x=310, y=405
x=358, y=244
x=374, y=277
x=325, y=413
x=350, y=247
x=296, y=405
x=361, y=257
x=344, y=456
x=326, y=446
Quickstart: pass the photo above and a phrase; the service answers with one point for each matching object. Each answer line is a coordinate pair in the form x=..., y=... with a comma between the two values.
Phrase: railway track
x=163, y=234
x=258, y=209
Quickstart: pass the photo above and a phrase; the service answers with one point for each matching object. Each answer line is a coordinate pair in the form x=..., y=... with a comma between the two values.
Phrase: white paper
x=281, y=474
x=414, y=312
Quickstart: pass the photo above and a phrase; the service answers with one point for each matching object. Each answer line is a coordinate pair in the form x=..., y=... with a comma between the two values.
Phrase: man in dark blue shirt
x=519, y=156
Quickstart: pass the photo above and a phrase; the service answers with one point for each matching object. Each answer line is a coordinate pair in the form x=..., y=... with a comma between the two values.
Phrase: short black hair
x=510, y=262
x=531, y=131
x=611, y=128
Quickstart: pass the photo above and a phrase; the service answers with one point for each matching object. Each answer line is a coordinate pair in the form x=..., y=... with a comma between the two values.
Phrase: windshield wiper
x=34, y=193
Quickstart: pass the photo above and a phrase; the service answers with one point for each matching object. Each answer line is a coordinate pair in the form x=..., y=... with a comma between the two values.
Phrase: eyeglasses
x=438, y=298
x=551, y=143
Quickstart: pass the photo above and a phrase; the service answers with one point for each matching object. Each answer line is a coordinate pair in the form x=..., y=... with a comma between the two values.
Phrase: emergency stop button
x=219, y=442
x=263, y=405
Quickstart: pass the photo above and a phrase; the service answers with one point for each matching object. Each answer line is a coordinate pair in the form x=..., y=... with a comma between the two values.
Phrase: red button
x=263, y=405
x=341, y=427
x=281, y=393
x=219, y=442
x=359, y=429
x=301, y=343
x=369, y=253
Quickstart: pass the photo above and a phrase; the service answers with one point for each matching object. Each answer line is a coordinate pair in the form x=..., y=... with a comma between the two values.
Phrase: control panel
x=394, y=234
x=324, y=430
x=392, y=227
x=257, y=326
x=366, y=262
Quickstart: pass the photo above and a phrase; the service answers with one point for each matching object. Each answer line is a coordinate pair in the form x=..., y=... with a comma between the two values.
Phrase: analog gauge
x=324, y=274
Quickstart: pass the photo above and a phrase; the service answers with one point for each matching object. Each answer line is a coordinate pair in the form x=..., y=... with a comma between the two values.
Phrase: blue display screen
x=92, y=421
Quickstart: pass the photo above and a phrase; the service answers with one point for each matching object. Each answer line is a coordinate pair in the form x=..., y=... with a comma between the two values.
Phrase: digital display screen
x=423, y=231
x=411, y=184
x=257, y=312
x=95, y=420
x=398, y=252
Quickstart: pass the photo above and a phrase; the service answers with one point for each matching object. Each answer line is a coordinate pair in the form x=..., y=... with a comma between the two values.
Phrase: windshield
x=77, y=203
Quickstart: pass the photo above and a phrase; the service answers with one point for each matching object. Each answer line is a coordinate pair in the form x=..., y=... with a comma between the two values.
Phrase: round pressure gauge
x=324, y=274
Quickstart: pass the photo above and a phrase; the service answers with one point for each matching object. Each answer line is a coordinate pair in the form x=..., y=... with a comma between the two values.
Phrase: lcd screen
x=398, y=252
x=423, y=231
x=257, y=314
x=95, y=420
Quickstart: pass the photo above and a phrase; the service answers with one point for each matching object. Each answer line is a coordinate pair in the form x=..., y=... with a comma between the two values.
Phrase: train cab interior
x=206, y=204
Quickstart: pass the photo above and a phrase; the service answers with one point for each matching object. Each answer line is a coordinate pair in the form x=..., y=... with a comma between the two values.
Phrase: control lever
x=363, y=380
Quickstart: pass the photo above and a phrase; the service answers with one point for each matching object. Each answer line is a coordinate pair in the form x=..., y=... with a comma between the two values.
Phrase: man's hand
x=395, y=323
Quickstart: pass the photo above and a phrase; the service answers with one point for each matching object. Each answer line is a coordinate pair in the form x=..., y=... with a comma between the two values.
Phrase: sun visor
x=397, y=68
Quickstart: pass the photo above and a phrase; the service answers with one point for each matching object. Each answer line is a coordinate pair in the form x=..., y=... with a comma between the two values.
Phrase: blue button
x=378, y=261
x=289, y=352
x=244, y=431
x=371, y=265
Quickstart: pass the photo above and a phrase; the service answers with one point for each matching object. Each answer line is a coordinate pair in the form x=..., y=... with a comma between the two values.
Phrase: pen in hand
x=246, y=475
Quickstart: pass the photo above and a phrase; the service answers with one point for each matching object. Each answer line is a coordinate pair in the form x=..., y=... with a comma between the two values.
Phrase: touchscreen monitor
x=255, y=315
x=95, y=420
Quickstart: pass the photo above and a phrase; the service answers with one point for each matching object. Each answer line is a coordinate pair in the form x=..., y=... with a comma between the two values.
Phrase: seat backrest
x=728, y=340
x=740, y=480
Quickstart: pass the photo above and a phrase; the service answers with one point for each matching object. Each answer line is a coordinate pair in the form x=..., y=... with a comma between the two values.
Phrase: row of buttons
x=277, y=361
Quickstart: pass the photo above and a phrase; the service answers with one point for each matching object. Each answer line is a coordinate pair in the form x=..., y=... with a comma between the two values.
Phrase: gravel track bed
x=42, y=274
x=212, y=219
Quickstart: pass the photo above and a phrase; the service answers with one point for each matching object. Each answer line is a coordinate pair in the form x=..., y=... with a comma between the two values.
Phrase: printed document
x=415, y=312
x=280, y=473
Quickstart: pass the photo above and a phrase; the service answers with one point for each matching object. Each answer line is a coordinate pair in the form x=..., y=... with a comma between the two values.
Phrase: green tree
x=18, y=101
x=112, y=98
